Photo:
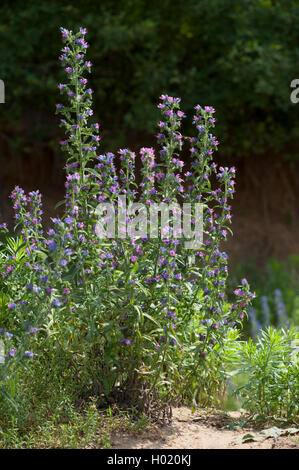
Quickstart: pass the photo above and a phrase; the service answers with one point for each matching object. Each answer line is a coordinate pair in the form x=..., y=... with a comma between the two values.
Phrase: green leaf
x=152, y=319
x=276, y=432
x=8, y=398
x=60, y=203
x=249, y=438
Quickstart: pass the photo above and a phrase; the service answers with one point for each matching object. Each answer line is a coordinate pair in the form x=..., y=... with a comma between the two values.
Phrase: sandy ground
x=201, y=431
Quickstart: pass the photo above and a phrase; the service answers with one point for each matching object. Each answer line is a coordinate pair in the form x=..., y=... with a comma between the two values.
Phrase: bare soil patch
x=201, y=430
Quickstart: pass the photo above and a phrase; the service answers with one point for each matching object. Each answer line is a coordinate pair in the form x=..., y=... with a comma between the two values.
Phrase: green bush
x=140, y=319
x=271, y=369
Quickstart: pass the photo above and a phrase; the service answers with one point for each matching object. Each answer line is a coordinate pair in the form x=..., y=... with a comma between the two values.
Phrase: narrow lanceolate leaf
x=7, y=397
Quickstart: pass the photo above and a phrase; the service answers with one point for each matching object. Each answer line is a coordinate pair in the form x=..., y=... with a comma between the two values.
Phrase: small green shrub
x=271, y=367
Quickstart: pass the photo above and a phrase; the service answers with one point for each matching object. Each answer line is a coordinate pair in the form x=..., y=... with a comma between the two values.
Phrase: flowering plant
x=266, y=315
x=134, y=318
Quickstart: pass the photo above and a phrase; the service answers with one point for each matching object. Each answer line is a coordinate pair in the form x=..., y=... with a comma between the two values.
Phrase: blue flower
x=11, y=305
x=28, y=354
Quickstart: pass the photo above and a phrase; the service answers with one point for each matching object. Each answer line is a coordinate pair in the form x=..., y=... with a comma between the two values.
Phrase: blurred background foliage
x=277, y=289
x=237, y=55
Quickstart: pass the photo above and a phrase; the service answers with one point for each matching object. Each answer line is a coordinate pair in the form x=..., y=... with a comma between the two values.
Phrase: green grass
x=50, y=414
x=88, y=428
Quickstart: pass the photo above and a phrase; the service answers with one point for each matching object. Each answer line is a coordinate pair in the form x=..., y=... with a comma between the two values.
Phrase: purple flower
x=64, y=32
x=28, y=354
x=11, y=305
x=68, y=220
x=126, y=341
x=239, y=292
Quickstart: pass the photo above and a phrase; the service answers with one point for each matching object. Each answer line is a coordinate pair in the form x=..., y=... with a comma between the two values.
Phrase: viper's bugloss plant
x=133, y=319
x=265, y=316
